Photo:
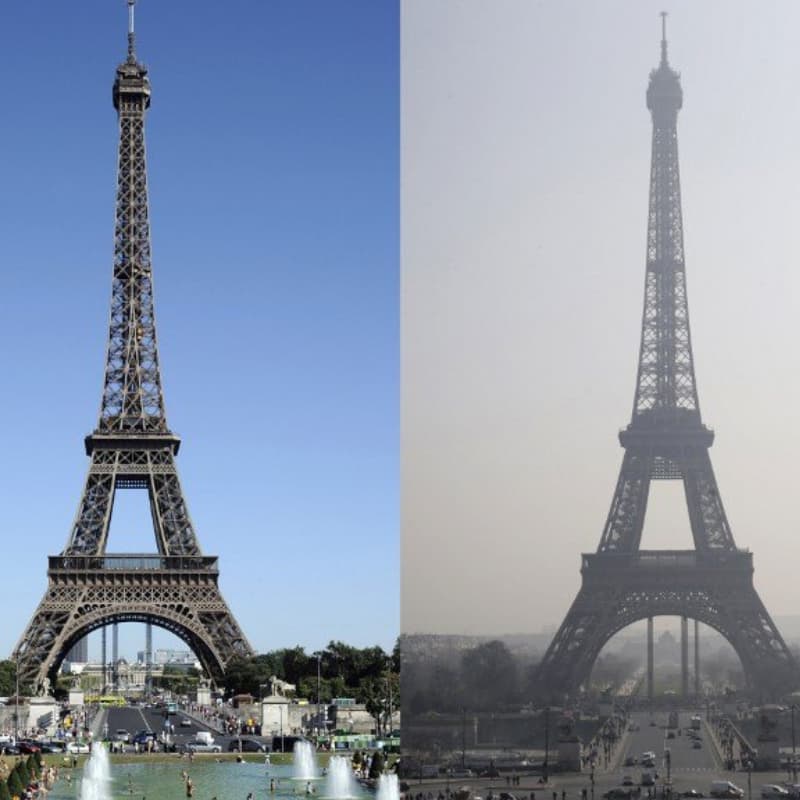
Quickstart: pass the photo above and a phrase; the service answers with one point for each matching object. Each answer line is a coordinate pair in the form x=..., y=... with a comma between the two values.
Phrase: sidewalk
x=97, y=724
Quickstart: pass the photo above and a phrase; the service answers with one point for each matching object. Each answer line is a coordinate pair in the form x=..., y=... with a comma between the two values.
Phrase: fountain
x=96, y=776
x=388, y=788
x=157, y=778
x=304, y=766
x=340, y=783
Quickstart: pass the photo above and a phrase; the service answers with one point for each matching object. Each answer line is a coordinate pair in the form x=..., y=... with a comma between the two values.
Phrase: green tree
x=22, y=774
x=445, y=690
x=381, y=697
x=32, y=767
x=8, y=678
x=15, y=786
x=376, y=767
x=489, y=676
x=396, y=653
x=296, y=664
x=5, y=794
x=342, y=669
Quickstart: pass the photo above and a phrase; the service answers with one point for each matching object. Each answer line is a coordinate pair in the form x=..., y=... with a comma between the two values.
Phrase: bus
x=106, y=700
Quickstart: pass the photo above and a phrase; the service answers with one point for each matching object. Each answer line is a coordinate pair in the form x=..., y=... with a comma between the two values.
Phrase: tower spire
x=131, y=36
x=663, y=36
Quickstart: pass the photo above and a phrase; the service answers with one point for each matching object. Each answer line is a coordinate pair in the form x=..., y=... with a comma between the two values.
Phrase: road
x=134, y=719
x=686, y=759
x=690, y=769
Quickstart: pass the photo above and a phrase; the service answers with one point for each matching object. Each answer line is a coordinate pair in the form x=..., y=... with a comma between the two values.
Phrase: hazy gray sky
x=525, y=167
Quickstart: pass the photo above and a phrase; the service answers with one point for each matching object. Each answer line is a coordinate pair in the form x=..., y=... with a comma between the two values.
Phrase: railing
x=665, y=559
x=133, y=562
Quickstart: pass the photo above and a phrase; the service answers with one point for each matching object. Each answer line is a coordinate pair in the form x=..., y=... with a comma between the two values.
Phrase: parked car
x=78, y=748
x=203, y=747
x=618, y=794
x=246, y=746
x=28, y=748
x=692, y=794
x=8, y=749
x=770, y=791
x=627, y=780
x=726, y=789
x=55, y=746
x=285, y=744
x=122, y=736
x=142, y=736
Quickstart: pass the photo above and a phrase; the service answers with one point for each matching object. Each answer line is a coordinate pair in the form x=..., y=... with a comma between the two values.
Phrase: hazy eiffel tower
x=666, y=440
x=131, y=448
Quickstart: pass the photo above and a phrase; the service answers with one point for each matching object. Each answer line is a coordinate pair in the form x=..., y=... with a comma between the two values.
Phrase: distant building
x=667, y=649
x=177, y=658
x=79, y=653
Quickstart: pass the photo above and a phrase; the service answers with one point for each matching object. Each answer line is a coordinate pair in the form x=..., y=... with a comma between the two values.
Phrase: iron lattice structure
x=131, y=448
x=666, y=440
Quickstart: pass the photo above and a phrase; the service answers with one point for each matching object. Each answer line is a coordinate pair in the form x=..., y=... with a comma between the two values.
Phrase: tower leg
x=104, y=659
x=114, y=656
x=650, y=658
x=697, y=658
x=684, y=656
x=148, y=659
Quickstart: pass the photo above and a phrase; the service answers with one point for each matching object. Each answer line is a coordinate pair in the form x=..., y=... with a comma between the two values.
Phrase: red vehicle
x=28, y=748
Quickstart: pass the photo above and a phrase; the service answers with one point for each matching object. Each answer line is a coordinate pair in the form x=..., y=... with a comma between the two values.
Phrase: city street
x=691, y=768
x=685, y=757
x=134, y=719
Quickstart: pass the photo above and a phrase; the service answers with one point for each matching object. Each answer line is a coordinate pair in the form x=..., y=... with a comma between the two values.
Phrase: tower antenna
x=131, y=48
x=663, y=36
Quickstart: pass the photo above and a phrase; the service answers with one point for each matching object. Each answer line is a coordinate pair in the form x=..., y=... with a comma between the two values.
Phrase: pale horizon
x=525, y=166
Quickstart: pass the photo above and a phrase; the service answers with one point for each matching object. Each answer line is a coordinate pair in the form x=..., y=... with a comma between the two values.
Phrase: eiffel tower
x=666, y=440
x=131, y=448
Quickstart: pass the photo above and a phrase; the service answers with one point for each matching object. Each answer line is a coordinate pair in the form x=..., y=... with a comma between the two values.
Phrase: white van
x=725, y=789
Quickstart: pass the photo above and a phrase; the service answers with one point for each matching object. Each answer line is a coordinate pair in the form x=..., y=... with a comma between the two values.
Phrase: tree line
x=370, y=675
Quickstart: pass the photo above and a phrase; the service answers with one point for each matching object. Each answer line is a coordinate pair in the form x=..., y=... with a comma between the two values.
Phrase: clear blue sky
x=273, y=164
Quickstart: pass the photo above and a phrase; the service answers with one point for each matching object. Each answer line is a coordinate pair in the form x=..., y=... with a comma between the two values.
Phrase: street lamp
x=546, y=742
x=463, y=738
x=391, y=699
x=749, y=777
x=319, y=681
x=16, y=699
x=794, y=752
